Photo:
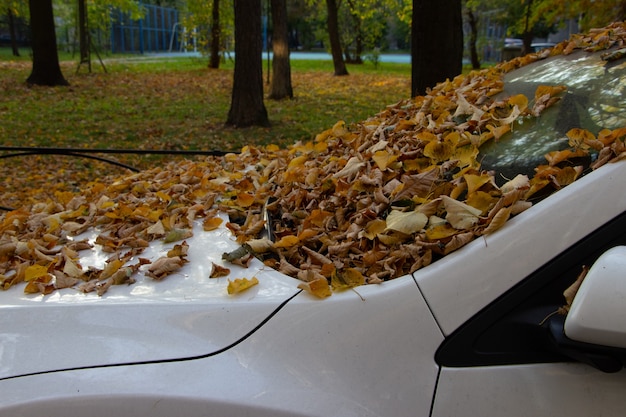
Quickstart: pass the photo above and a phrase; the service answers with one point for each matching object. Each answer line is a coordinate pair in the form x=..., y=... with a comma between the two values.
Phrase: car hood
x=187, y=314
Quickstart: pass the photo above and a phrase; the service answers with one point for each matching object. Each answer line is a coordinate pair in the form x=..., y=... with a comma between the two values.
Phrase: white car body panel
x=555, y=390
x=315, y=358
x=468, y=280
x=186, y=314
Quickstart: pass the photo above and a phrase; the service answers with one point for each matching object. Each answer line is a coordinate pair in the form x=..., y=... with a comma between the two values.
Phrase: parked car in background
x=513, y=48
x=495, y=192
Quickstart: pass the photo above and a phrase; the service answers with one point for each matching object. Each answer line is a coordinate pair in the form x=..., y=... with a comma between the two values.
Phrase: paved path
x=397, y=58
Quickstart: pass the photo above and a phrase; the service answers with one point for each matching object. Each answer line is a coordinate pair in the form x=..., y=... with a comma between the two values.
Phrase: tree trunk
x=16, y=51
x=280, y=86
x=214, y=61
x=333, y=34
x=46, y=69
x=83, y=35
x=437, y=43
x=473, y=38
x=247, y=107
x=527, y=36
x=358, y=33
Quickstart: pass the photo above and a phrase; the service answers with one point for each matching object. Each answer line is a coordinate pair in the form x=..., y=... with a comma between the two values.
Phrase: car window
x=594, y=100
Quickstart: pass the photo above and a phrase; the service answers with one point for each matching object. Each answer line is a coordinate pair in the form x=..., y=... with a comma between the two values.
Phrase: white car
x=472, y=334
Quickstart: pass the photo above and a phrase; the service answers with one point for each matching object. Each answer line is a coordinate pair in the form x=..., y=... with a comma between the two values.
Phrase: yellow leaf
x=440, y=231
x=297, y=161
x=439, y=151
x=35, y=271
x=347, y=278
x=550, y=90
x=374, y=228
x=110, y=268
x=474, y=182
x=245, y=199
x=318, y=287
x=211, y=223
x=383, y=159
x=241, y=284
x=287, y=241
x=580, y=138
x=481, y=200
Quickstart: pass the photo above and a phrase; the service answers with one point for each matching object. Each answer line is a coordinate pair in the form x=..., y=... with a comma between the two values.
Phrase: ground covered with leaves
x=165, y=105
x=361, y=203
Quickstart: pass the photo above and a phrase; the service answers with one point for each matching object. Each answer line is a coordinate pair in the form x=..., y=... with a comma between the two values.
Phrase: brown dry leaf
x=218, y=271
x=498, y=220
x=164, y=266
x=571, y=291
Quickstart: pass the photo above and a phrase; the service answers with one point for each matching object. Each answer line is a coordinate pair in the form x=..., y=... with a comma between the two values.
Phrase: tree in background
x=280, y=87
x=46, y=69
x=333, y=35
x=14, y=9
x=437, y=43
x=213, y=26
x=247, y=107
x=216, y=30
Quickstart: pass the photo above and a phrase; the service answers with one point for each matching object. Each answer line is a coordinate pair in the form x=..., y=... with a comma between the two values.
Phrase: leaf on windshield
x=460, y=215
x=406, y=222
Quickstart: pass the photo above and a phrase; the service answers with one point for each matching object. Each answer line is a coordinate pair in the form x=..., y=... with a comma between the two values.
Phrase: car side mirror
x=598, y=310
x=594, y=330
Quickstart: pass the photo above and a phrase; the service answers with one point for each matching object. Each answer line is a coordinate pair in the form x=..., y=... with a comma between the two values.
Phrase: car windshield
x=594, y=100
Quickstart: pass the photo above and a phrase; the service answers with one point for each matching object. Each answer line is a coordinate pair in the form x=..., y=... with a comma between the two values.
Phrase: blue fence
x=155, y=32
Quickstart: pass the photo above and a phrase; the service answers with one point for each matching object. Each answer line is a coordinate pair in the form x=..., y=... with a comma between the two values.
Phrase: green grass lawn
x=179, y=103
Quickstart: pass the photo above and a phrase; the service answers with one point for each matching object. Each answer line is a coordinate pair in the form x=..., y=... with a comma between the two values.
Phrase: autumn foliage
x=358, y=205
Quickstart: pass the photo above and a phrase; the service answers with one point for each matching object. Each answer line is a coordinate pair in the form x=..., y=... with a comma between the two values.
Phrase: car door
x=505, y=362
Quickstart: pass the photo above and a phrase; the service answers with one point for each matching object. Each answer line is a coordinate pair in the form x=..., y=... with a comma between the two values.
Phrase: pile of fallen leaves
x=357, y=205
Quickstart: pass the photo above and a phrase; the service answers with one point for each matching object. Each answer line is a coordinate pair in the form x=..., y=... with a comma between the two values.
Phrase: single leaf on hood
x=406, y=222
x=175, y=235
x=211, y=223
x=241, y=284
x=164, y=266
x=218, y=271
